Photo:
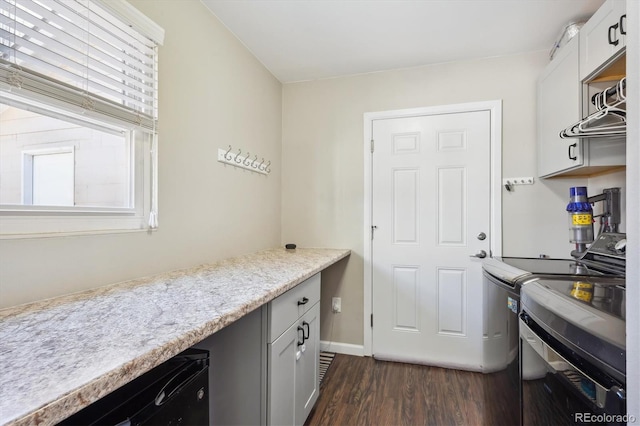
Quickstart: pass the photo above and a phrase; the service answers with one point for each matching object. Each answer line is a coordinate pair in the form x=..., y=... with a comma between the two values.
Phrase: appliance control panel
x=609, y=244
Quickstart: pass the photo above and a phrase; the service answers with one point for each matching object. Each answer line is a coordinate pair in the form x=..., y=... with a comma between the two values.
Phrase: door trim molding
x=495, y=109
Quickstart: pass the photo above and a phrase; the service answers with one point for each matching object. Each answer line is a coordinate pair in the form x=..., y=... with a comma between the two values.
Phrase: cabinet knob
x=303, y=301
x=306, y=324
x=301, y=342
x=623, y=24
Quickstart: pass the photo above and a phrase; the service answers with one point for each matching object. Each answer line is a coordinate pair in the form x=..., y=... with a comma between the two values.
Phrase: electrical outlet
x=336, y=305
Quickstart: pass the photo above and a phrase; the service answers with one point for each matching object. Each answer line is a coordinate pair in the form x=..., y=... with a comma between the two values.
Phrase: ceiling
x=301, y=40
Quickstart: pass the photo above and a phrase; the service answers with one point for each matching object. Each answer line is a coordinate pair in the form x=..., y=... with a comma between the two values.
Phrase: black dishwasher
x=173, y=393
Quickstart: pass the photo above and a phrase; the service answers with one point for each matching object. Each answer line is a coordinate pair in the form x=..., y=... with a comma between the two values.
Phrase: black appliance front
x=173, y=393
x=501, y=383
x=561, y=388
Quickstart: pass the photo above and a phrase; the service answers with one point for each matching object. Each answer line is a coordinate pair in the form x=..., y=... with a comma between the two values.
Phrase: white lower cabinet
x=293, y=355
x=264, y=366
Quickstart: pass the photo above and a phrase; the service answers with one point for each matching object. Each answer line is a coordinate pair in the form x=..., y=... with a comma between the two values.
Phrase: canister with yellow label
x=582, y=291
x=580, y=216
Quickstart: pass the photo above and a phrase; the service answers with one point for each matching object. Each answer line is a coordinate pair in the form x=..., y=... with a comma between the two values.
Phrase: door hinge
x=371, y=320
x=373, y=228
x=372, y=146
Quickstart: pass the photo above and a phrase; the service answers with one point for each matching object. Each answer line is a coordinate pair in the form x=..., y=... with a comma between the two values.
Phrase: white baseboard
x=342, y=348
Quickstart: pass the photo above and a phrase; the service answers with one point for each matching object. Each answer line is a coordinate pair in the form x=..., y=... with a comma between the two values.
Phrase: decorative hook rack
x=244, y=161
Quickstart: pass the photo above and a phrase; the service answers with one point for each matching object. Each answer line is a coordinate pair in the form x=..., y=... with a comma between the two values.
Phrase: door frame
x=495, y=225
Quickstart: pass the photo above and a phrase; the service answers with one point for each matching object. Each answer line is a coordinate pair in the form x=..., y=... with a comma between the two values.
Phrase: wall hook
x=247, y=159
x=243, y=161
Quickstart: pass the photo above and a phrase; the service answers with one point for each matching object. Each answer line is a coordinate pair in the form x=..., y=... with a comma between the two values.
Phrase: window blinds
x=80, y=55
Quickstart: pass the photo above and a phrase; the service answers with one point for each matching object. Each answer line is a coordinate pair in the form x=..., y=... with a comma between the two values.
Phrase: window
x=48, y=178
x=78, y=117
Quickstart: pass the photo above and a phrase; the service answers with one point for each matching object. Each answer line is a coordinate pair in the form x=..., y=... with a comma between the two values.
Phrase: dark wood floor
x=365, y=391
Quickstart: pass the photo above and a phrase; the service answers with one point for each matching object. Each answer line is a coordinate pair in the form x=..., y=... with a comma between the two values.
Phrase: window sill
x=4, y=237
x=20, y=226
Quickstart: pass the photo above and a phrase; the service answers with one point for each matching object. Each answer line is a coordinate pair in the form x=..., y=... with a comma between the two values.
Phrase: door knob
x=481, y=254
x=482, y=236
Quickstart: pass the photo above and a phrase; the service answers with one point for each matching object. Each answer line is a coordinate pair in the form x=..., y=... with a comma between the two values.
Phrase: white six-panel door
x=430, y=202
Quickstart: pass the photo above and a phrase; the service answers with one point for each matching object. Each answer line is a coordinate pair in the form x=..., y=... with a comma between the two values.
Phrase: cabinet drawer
x=287, y=308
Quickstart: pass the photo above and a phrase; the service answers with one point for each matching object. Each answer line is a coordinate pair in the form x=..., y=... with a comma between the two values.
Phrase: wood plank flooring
x=365, y=391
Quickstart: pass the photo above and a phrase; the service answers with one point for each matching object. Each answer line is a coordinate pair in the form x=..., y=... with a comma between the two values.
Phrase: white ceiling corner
x=301, y=40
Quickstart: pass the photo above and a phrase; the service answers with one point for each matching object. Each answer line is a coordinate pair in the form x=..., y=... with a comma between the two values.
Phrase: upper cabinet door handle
x=303, y=301
x=572, y=157
x=623, y=24
x=613, y=39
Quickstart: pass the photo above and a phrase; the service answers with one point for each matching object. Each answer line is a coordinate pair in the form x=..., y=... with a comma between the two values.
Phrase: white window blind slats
x=83, y=47
x=38, y=90
x=68, y=29
x=78, y=17
x=143, y=103
x=78, y=64
x=131, y=17
x=115, y=29
x=72, y=36
x=51, y=111
x=71, y=48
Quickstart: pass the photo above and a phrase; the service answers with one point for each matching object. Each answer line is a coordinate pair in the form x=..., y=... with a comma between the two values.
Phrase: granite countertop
x=59, y=355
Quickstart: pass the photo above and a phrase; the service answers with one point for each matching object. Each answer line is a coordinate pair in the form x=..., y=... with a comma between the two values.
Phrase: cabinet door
x=308, y=366
x=281, y=398
x=559, y=99
x=602, y=37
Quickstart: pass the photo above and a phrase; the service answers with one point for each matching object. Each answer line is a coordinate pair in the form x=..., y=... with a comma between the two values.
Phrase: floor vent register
x=326, y=358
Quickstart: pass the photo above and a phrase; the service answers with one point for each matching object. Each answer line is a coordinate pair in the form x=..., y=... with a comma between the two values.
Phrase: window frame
x=29, y=221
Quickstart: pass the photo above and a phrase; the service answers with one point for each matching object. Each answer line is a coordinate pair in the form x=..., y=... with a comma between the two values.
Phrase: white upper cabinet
x=586, y=65
x=559, y=104
x=602, y=38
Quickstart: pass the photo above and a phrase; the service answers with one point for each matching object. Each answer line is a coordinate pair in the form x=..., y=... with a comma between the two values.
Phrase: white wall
x=633, y=209
x=323, y=161
x=598, y=183
x=213, y=92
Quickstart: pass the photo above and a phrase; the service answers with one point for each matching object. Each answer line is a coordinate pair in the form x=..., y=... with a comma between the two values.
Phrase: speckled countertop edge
x=59, y=355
